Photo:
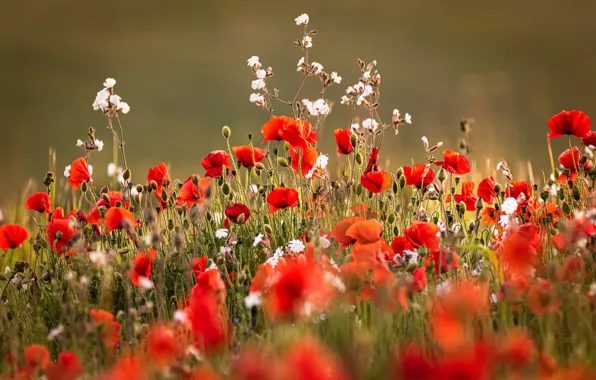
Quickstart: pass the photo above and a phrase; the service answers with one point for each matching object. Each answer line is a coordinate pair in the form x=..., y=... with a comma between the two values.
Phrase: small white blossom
x=325, y=243
x=258, y=239
x=303, y=19
x=408, y=118
x=443, y=288
x=55, y=332
x=181, y=316
x=396, y=115
x=494, y=298
x=261, y=74
x=258, y=84
x=509, y=206
x=253, y=61
x=112, y=169
x=322, y=161
x=316, y=67
x=115, y=100
x=67, y=171
x=424, y=142
x=412, y=257
x=350, y=90
x=370, y=124
x=358, y=88
x=335, y=78
x=253, y=299
x=307, y=41
x=345, y=100
x=299, y=64
x=124, y=107
x=224, y=250
x=80, y=142
x=90, y=169
x=101, y=100
x=592, y=289
x=257, y=99
x=355, y=126
x=109, y=83
x=146, y=283
x=335, y=281
x=99, y=145
x=296, y=246
x=366, y=75
x=222, y=233
x=98, y=258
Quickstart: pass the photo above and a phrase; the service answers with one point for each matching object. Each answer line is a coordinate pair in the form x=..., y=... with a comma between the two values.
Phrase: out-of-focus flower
x=253, y=61
x=222, y=233
x=296, y=246
x=303, y=19
x=370, y=124
x=109, y=83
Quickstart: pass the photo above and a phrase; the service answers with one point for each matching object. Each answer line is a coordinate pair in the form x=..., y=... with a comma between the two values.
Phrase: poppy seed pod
x=576, y=194
x=104, y=190
x=225, y=189
x=226, y=132
x=105, y=198
x=441, y=175
x=268, y=229
x=250, y=137
x=259, y=166
x=479, y=204
x=140, y=189
x=282, y=162
x=402, y=181
x=126, y=175
x=153, y=185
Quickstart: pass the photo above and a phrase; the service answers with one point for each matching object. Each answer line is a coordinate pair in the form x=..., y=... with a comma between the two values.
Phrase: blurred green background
x=181, y=65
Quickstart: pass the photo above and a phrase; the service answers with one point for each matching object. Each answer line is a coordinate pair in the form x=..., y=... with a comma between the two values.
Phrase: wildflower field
x=267, y=264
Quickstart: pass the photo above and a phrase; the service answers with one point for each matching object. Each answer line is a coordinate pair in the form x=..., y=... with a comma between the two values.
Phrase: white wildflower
x=370, y=124
x=112, y=169
x=261, y=74
x=424, y=142
x=335, y=78
x=253, y=61
x=408, y=118
x=55, y=332
x=296, y=246
x=90, y=169
x=101, y=100
x=494, y=298
x=124, y=107
x=325, y=243
x=412, y=257
x=109, y=83
x=258, y=84
x=257, y=99
x=98, y=258
x=355, y=126
x=303, y=19
x=146, y=283
x=509, y=206
x=366, y=75
x=345, y=100
x=80, y=142
x=258, y=239
x=115, y=100
x=224, y=250
x=253, y=299
x=222, y=233
x=322, y=161
x=99, y=145
x=316, y=67
x=350, y=90
x=299, y=64
x=307, y=41
x=67, y=171
x=181, y=316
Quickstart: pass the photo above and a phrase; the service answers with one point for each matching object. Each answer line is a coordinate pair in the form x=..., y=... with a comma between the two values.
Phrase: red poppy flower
x=79, y=173
x=365, y=231
x=12, y=236
x=490, y=216
x=108, y=328
x=570, y=160
x=198, y=265
x=486, y=190
x=573, y=122
x=115, y=197
x=305, y=359
x=208, y=321
x=142, y=264
x=244, y=154
x=375, y=182
x=233, y=213
x=190, y=193
x=340, y=229
x=419, y=175
x=412, y=363
x=40, y=202
x=343, y=139
x=210, y=281
x=298, y=133
x=590, y=139
x=454, y=162
x=400, y=244
x=117, y=218
x=519, y=252
x=270, y=130
x=67, y=367
x=307, y=158
x=215, y=162
x=419, y=280
x=282, y=197
x=128, y=367
x=444, y=260
x=37, y=357
x=543, y=298
x=423, y=234
x=516, y=188
x=162, y=345
x=466, y=196
x=60, y=227
x=159, y=174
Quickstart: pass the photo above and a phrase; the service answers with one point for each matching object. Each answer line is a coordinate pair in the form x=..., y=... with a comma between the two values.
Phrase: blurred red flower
x=423, y=234
x=142, y=264
x=40, y=202
x=307, y=157
x=573, y=122
x=12, y=236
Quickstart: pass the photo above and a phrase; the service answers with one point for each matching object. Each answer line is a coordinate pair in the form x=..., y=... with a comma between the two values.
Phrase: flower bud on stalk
x=226, y=132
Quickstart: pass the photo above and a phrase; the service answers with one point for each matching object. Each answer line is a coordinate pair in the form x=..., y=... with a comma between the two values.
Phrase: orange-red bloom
x=67, y=367
x=79, y=173
x=343, y=139
x=117, y=218
x=307, y=158
x=159, y=174
x=248, y=155
x=590, y=139
x=516, y=188
x=40, y=202
x=401, y=244
x=271, y=129
x=298, y=133
x=573, y=161
x=454, y=162
x=190, y=193
x=419, y=175
x=365, y=231
x=519, y=252
x=162, y=345
x=12, y=236
x=310, y=360
x=444, y=260
x=375, y=182
x=114, y=197
x=486, y=190
x=340, y=229
x=108, y=328
x=466, y=196
x=573, y=122
x=142, y=264
x=423, y=234
x=215, y=162
x=37, y=357
x=234, y=212
x=282, y=197
x=60, y=232
x=543, y=298
x=209, y=322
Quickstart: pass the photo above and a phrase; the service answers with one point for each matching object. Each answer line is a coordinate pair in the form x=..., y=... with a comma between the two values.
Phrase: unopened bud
x=153, y=185
x=442, y=175
x=268, y=229
x=225, y=188
x=84, y=187
x=358, y=158
x=126, y=175
x=353, y=140
x=226, y=132
x=282, y=162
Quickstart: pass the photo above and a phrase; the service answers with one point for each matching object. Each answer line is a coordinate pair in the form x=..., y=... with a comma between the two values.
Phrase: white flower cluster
x=296, y=246
x=303, y=19
x=258, y=84
x=397, y=120
x=97, y=143
x=320, y=163
x=319, y=107
x=370, y=124
x=106, y=98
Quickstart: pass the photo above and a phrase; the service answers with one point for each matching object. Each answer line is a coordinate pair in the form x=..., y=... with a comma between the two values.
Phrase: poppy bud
x=170, y=224
x=391, y=218
x=497, y=188
x=241, y=278
x=471, y=226
x=441, y=175
x=461, y=207
x=118, y=204
x=399, y=172
x=268, y=229
x=358, y=158
x=164, y=195
x=561, y=194
x=457, y=179
x=452, y=190
x=287, y=145
x=104, y=190
x=131, y=208
x=105, y=198
x=195, y=180
x=576, y=194
x=250, y=137
x=359, y=189
x=84, y=187
x=544, y=195
x=123, y=251
x=410, y=268
x=275, y=151
x=259, y=166
x=225, y=189
x=282, y=162
x=396, y=230
x=64, y=249
x=226, y=132
x=395, y=187
x=126, y=174
x=566, y=208
x=353, y=140
x=220, y=261
x=58, y=235
x=479, y=204
x=194, y=213
x=153, y=185
x=402, y=181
